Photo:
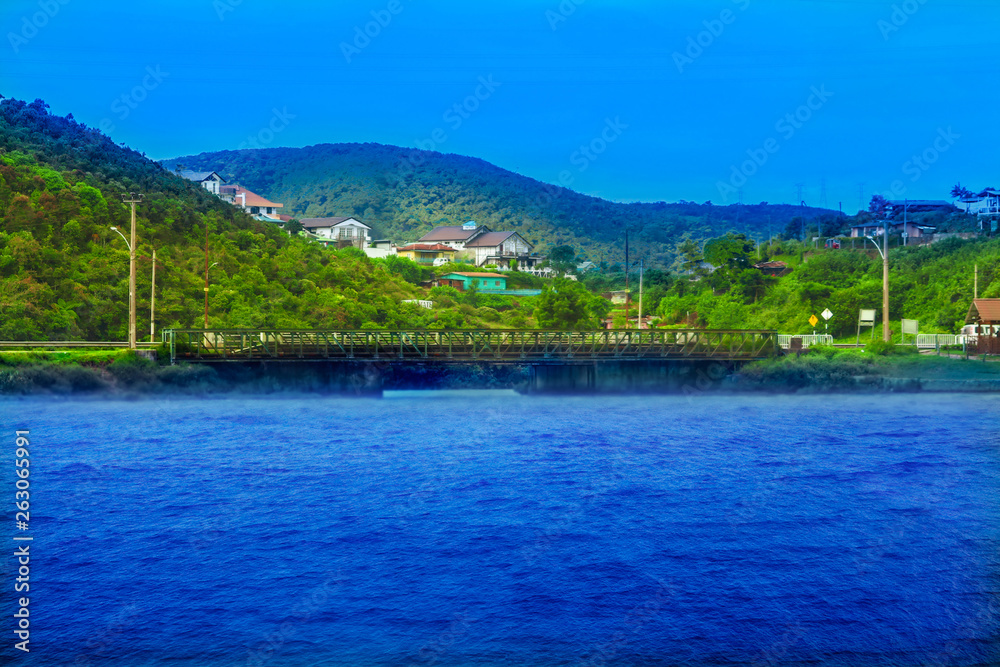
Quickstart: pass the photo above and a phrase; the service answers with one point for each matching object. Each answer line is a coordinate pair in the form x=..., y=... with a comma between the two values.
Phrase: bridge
x=457, y=346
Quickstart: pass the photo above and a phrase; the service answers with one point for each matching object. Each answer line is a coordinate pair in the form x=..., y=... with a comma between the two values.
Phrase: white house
x=986, y=204
x=209, y=180
x=339, y=229
x=500, y=248
x=457, y=237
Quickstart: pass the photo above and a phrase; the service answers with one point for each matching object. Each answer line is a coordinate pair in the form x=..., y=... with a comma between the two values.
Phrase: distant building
x=502, y=248
x=616, y=297
x=867, y=229
x=380, y=249
x=910, y=228
x=251, y=202
x=347, y=229
x=209, y=180
x=455, y=236
x=913, y=230
x=774, y=268
x=427, y=253
x=896, y=207
x=985, y=205
x=484, y=282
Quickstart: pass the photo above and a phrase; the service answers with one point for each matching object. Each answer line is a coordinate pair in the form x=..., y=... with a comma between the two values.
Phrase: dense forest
x=404, y=193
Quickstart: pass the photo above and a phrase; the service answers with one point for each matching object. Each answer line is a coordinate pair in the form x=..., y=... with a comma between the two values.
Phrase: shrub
x=880, y=347
x=131, y=369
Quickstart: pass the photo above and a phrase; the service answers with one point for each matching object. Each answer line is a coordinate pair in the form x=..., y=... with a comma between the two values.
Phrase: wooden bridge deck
x=458, y=346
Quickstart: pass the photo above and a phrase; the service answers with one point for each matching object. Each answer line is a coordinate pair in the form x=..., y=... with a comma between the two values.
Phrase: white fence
x=785, y=340
x=940, y=340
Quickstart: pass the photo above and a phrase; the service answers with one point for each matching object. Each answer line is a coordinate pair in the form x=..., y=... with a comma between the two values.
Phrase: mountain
x=64, y=272
x=404, y=193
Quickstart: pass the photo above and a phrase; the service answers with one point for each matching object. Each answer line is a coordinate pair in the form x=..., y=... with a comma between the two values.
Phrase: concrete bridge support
x=673, y=376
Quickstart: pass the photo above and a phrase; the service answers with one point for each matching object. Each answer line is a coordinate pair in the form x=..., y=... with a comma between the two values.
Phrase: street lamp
x=206, y=292
x=885, y=277
x=132, y=199
x=152, y=295
x=131, y=289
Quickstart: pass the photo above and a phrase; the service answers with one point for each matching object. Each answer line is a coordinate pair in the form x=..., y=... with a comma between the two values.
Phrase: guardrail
x=473, y=345
x=940, y=340
x=49, y=344
x=785, y=340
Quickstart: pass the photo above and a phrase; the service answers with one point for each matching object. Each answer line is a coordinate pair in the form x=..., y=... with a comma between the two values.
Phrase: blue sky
x=631, y=101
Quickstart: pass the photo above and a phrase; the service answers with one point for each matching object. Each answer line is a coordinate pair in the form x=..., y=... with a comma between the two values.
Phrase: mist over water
x=483, y=529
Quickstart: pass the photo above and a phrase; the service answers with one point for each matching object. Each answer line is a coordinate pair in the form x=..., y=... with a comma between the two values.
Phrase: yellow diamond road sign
x=813, y=320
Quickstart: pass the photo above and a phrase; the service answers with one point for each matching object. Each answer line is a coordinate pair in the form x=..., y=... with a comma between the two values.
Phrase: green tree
x=568, y=305
x=561, y=257
x=690, y=261
x=730, y=254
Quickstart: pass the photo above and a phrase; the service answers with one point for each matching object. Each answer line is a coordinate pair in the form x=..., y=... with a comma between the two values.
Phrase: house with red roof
x=251, y=202
x=427, y=253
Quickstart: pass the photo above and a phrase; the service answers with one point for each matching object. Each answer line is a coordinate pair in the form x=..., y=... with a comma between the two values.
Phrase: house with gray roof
x=455, y=236
x=501, y=248
x=346, y=229
x=209, y=180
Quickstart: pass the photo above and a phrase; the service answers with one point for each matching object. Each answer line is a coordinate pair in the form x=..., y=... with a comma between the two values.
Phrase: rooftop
x=427, y=247
x=489, y=239
x=451, y=233
x=199, y=175
x=984, y=310
x=329, y=222
x=476, y=275
x=252, y=198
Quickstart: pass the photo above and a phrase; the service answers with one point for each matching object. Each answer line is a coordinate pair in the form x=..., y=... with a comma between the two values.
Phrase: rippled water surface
x=486, y=530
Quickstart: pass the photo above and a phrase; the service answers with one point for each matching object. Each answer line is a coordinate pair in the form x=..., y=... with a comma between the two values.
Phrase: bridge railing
x=468, y=345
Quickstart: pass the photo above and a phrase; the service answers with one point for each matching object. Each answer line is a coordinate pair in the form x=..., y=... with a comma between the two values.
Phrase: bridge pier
x=362, y=378
x=672, y=376
x=369, y=378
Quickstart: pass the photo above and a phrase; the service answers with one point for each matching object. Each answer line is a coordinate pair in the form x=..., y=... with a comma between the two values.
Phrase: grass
x=89, y=357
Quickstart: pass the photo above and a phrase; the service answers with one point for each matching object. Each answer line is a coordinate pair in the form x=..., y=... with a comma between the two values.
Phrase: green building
x=484, y=282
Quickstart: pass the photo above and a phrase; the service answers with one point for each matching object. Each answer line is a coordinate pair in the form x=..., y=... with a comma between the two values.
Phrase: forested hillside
x=932, y=284
x=404, y=193
x=64, y=272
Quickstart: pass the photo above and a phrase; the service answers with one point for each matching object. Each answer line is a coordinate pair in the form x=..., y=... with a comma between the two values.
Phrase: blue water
x=492, y=530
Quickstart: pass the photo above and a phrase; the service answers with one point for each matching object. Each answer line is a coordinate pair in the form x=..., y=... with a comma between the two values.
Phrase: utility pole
x=640, y=295
x=206, y=274
x=885, y=281
x=626, y=279
x=152, y=300
x=975, y=281
x=132, y=199
x=906, y=205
